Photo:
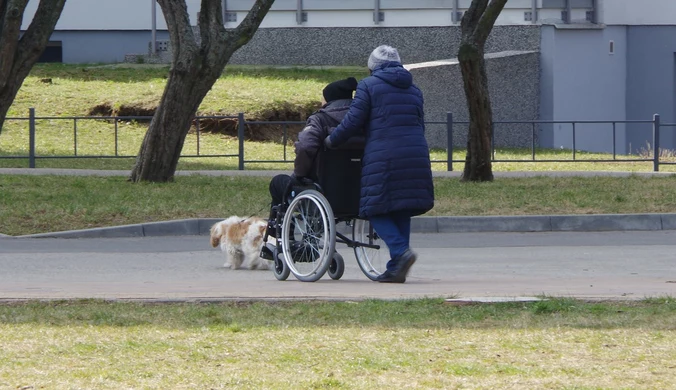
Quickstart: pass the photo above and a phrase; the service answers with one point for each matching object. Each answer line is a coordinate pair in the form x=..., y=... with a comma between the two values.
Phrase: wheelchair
x=308, y=223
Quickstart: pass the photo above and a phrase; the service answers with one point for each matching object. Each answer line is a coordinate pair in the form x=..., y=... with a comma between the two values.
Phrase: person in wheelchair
x=337, y=97
x=396, y=176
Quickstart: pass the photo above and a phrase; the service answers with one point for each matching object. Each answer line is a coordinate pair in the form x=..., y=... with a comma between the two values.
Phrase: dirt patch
x=133, y=110
x=256, y=131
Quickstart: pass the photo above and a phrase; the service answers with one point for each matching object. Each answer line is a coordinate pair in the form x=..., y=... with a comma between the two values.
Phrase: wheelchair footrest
x=267, y=252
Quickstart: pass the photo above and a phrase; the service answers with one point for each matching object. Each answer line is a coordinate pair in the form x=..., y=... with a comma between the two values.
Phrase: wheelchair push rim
x=370, y=250
x=308, y=236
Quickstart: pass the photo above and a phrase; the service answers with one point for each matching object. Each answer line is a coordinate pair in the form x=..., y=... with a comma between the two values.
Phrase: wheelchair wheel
x=337, y=266
x=279, y=267
x=372, y=261
x=308, y=236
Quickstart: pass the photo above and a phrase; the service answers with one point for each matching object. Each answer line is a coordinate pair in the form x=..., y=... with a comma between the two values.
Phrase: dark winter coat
x=311, y=138
x=396, y=172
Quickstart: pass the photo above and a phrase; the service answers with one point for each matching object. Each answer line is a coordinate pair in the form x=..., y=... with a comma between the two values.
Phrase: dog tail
x=216, y=233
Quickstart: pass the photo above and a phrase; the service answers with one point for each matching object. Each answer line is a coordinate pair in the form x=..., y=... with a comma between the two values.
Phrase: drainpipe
x=153, y=38
x=376, y=12
x=569, y=11
x=299, y=12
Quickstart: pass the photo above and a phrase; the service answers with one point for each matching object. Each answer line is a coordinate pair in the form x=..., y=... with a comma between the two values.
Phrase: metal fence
x=288, y=157
x=656, y=124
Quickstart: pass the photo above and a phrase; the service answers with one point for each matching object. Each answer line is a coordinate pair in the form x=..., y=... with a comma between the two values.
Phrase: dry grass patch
x=149, y=357
x=556, y=344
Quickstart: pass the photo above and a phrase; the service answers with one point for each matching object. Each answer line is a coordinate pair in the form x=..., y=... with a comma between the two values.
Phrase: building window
x=611, y=47
x=53, y=52
x=590, y=16
x=231, y=16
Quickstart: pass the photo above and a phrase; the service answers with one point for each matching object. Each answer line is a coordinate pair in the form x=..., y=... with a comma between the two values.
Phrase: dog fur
x=241, y=239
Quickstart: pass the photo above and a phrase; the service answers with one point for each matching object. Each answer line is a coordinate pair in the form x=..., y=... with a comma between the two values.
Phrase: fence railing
x=287, y=157
x=655, y=123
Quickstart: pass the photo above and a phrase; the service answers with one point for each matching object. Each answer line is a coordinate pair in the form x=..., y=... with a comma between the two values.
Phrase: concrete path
x=597, y=265
x=583, y=256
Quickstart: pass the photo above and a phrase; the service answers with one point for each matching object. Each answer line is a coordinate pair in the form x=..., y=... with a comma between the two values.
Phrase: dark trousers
x=395, y=229
x=278, y=185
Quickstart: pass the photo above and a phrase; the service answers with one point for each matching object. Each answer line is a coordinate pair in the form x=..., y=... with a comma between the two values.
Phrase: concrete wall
x=306, y=46
x=651, y=82
x=352, y=46
x=583, y=81
x=513, y=79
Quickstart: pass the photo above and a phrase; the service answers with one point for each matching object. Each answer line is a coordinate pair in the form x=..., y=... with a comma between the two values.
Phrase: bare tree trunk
x=194, y=70
x=18, y=53
x=476, y=26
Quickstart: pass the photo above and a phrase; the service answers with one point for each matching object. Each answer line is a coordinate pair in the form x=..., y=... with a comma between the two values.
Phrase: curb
x=519, y=224
x=271, y=173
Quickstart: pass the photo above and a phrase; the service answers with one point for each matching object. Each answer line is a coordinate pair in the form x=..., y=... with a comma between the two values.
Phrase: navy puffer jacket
x=396, y=172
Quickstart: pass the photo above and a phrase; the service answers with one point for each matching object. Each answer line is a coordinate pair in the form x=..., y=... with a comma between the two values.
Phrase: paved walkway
x=581, y=256
x=599, y=265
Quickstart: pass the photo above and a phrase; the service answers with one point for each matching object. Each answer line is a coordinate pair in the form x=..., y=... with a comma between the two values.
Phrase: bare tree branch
x=211, y=27
x=34, y=40
x=247, y=28
x=472, y=16
x=11, y=16
x=488, y=19
x=181, y=34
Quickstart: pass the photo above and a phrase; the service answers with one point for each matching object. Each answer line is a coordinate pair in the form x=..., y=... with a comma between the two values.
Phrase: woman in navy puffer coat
x=396, y=177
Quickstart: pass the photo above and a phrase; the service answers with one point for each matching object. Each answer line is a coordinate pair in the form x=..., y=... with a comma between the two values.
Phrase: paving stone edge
x=442, y=224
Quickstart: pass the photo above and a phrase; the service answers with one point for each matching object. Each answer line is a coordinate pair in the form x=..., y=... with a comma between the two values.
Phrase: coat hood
x=394, y=74
x=336, y=109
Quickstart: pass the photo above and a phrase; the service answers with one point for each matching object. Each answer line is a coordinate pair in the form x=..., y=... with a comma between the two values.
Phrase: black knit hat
x=341, y=89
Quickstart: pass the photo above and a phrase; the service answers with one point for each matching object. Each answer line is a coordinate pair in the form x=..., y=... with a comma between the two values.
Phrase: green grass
x=76, y=89
x=38, y=204
x=555, y=344
x=262, y=93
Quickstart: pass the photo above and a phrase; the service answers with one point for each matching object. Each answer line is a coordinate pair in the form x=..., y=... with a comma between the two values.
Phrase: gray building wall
x=583, y=81
x=513, y=84
x=651, y=82
x=103, y=46
x=305, y=46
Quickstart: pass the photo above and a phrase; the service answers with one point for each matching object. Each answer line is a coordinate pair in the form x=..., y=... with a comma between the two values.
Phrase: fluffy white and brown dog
x=241, y=240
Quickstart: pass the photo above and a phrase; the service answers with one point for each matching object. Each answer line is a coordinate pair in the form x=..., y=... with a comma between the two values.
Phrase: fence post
x=31, y=137
x=656, y=142
x=449, y=141
x=240, y=137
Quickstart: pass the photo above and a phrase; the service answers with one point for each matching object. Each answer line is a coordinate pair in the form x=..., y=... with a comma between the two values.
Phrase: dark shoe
x=390, y=277
x=404, y=263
